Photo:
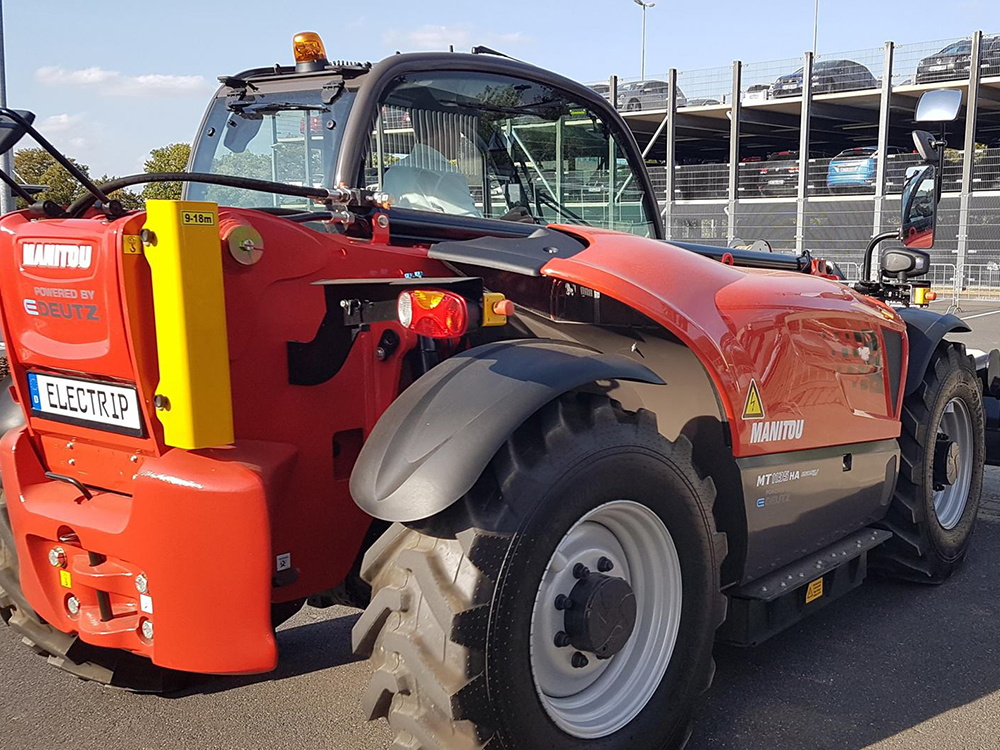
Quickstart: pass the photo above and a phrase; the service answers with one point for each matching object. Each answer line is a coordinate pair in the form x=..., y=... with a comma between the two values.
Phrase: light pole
x=6, y=198
x=815, y=27
x=642, y=62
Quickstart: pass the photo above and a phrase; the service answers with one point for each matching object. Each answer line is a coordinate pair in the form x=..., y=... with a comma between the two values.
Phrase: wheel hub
x=947, y=462
x=602, y=615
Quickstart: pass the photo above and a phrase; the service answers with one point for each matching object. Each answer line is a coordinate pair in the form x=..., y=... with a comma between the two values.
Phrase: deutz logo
x=51, y=255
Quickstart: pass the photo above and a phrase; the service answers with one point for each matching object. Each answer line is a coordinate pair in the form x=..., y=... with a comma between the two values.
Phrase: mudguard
x=434, y=441
x=11, y=414
x=925, y=329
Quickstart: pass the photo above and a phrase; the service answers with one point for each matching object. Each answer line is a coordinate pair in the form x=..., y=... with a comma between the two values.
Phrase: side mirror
x=13, y=126
x=919, y=208
x=940, y=105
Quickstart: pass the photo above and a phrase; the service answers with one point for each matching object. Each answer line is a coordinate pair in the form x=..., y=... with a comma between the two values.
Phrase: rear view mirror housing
x=940, y=105
x=919, y=208
x=14, y=125
x=905, y=263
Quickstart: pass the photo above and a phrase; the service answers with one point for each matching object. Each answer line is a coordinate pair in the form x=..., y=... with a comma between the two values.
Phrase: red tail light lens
x=433, y=313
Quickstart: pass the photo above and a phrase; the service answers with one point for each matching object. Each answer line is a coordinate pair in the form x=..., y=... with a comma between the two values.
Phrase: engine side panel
x=798, y=360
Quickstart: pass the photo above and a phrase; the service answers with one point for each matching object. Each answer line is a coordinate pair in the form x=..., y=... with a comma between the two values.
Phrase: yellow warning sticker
x=131, y=244
x=65, y=579
x=198, y=218
x=815, y=590
x=754, y=407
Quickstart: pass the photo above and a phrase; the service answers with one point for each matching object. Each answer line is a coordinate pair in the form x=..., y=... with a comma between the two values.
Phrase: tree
x=36, y=166
x=171, y=158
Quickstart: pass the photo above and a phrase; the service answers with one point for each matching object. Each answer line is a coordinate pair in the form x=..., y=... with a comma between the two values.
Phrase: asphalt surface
x=889, y=667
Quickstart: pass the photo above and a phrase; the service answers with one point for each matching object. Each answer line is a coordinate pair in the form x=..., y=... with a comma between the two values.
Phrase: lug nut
x=73, y=606
x=562, y=639
x=564, y=602
x=580, y=571
x=147, y=629
x=57, y=557
x=141, y=583
x=604, y=565
x=579, y=661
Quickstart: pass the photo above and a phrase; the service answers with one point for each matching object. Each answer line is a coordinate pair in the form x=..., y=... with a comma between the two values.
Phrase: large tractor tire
x=943, y=447
x=67, y=652
x=570, y=600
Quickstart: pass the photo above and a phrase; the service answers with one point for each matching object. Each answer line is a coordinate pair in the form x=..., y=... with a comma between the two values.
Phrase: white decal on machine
x=52, y=255
x=777, y=430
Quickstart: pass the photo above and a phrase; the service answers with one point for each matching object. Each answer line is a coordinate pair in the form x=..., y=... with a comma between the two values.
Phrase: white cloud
x=113, y=83
x=71, y=130
x=440, y=37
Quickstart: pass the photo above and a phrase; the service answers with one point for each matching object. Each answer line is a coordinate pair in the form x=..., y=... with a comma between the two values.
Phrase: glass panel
x=474, y=144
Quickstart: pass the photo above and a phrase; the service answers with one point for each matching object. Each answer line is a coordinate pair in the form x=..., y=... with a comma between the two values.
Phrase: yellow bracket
x=193, y=398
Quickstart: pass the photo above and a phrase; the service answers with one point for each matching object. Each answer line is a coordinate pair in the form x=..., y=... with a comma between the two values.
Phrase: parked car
x=601, y=88
x=703, y=101
x=828, y=76
x=697, y=179
x=647, y=95
x=855, y=169
x=778, y=175
x=954, y=61
x=757, y=92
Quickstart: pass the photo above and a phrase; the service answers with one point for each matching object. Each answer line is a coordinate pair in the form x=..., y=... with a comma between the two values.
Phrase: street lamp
x=642, y=63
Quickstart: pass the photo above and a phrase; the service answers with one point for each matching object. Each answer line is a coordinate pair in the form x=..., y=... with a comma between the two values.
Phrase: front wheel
x=942, y=452
x=569, y=601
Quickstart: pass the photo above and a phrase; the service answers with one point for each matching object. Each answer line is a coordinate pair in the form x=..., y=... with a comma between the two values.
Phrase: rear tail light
x=433, y=313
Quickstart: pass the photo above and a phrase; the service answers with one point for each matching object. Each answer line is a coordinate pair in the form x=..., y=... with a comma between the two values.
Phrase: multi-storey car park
x=751, y=153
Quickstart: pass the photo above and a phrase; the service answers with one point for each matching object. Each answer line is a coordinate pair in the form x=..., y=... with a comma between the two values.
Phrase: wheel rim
x=604, y=696
x=950, y=502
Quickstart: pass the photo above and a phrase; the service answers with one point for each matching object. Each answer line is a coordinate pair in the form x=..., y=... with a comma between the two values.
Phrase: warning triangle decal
x=754, y=408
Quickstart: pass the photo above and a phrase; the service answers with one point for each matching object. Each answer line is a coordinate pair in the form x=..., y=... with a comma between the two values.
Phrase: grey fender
x=434, y=441
x=925, y=329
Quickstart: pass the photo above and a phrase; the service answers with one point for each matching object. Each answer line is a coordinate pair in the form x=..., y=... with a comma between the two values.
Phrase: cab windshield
x=283, y=136
x=498, y=147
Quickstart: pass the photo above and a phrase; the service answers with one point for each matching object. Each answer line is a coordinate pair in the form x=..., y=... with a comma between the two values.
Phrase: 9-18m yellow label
x=197, y=218
x=815, y=590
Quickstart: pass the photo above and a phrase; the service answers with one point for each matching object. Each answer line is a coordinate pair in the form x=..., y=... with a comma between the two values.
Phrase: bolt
x=69, y=445
x=161, y=402
x=562, y=639
x=580, y=571
x=579, y=661
x=564, y=602
x=73, y=606
x=72, y=462
x=605, y=565
x=383, y=220
x=57, y=557
x=146, y=628
x=380, y=354
x=147, y=236
x=141, y=583
x=134, y=458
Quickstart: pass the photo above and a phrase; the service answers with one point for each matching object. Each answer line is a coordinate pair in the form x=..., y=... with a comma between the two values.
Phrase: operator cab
x=467, y=145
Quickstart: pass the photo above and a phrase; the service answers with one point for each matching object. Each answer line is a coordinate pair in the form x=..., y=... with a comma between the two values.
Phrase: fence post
x=884, y=113
x=804, y=121
x=671, y=160
x=734, y=146
x=968, y=159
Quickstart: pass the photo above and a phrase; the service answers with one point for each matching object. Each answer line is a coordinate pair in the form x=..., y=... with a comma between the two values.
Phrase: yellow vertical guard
x=194, y=397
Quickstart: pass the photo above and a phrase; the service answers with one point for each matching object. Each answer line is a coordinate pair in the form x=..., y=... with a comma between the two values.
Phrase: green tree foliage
x=171, y=158
x=35, y=166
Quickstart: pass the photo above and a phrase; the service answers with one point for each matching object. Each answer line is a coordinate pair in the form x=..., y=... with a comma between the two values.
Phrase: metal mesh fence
x=706, y=87
x=760, y=80
x=931, y=62
x=707, y=223
x=858, y=70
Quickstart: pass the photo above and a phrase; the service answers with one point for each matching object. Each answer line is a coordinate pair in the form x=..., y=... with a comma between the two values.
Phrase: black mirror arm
x=866, y=272
x=69, y=166
x=19, y=191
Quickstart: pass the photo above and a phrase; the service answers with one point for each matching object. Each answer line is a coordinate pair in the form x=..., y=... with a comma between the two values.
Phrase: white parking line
x=979, y=315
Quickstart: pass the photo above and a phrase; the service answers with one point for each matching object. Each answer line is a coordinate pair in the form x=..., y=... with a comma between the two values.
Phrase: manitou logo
x=772, y=432
x=51, y=255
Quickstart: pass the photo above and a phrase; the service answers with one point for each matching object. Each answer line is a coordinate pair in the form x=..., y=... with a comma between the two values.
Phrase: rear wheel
x=570, y=600
x=942, y=447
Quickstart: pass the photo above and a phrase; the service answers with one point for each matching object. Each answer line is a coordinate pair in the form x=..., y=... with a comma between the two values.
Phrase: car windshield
x=499, y=147
x=284, y=136
x=856, y=153
x=958, y=48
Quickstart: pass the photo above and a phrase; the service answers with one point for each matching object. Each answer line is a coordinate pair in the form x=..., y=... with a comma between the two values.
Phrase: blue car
x=856, y=168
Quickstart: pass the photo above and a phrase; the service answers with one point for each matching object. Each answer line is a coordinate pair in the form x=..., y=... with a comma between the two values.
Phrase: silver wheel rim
x=950, y=503
x=605, y=696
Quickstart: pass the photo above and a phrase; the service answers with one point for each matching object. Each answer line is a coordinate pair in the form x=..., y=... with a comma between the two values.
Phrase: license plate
x=87, y=403
x=937, y=68
x=775, y=182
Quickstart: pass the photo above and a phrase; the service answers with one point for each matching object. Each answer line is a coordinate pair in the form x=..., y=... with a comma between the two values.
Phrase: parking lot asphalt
x=889, y=667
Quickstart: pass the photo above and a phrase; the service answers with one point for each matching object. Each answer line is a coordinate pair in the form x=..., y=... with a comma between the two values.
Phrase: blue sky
x=110, y=79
